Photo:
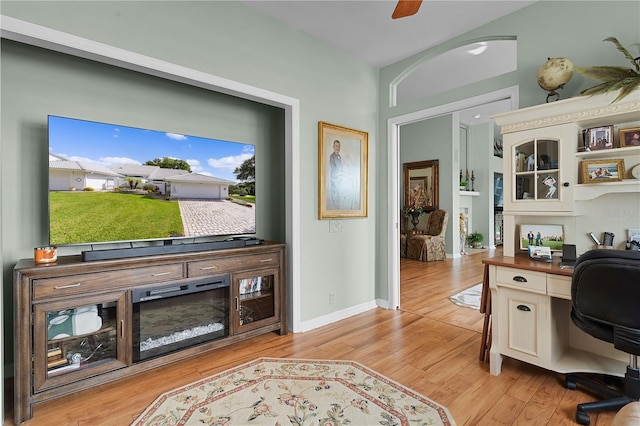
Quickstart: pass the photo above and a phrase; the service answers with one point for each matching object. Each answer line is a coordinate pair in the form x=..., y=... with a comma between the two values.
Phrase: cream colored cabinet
x=522, y=329
x=531, y=317
x=524, y=312
x=541, y=169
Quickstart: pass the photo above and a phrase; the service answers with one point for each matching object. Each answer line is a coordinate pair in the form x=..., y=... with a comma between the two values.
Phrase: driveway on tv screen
x=216, y=217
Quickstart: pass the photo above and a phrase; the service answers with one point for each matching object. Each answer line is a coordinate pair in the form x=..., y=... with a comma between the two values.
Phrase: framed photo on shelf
x=536, y=236
x=342, y=171
x=630, y=137
x=596, y=171
x=598, y=138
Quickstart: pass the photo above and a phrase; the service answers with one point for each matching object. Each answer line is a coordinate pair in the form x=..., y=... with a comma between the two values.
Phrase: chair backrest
x=437, y=224
x=605, y=297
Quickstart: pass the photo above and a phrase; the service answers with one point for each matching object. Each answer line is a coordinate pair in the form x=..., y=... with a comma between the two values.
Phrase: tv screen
x=113, y=183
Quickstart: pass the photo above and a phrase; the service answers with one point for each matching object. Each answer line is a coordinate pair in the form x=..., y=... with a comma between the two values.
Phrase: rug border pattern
x=443, y=412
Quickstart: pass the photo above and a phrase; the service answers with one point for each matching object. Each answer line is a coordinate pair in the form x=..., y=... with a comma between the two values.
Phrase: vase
x=415, y=219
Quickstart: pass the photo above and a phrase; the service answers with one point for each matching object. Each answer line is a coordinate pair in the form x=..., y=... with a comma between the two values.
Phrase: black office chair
x=605, y=295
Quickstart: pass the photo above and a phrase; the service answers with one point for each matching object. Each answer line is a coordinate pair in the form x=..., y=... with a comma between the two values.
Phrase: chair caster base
x=582, y=418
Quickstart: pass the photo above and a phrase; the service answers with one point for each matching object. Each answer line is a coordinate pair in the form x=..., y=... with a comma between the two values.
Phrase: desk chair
x=605, y=296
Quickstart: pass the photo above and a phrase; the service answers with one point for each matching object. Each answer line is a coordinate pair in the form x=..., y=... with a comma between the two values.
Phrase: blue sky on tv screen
x=113, y=145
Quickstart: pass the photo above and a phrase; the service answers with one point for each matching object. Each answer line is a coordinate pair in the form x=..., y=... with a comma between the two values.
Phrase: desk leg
x=495, y=361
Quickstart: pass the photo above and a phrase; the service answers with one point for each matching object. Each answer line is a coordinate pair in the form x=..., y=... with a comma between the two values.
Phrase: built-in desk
x=531, y=322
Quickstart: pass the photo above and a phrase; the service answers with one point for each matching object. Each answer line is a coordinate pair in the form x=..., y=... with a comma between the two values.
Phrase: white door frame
x=393, y=167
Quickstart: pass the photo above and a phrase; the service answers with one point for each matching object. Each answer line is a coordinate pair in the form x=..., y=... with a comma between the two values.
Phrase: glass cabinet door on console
x=541, y=177
x=257, y=300
x=78, y=338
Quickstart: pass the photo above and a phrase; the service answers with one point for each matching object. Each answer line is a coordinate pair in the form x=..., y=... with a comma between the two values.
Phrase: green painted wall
x=221, y=38
x=572, y=29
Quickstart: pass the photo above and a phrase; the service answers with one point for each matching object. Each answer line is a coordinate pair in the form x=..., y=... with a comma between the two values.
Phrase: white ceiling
x=364, y=28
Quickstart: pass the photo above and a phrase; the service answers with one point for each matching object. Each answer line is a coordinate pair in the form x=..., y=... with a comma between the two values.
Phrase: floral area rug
x=469, y=298
x=274, y=391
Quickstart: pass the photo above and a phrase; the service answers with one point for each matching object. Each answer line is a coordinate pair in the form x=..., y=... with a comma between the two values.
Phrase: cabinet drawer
x=559, y=286
x=519, y=278
x=107, y=280
x=208, y=267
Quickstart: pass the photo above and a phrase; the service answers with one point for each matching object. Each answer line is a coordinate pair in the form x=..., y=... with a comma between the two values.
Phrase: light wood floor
x=430, y=345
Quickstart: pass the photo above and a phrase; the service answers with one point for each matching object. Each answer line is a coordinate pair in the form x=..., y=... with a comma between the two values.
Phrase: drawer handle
x=237, y=304
x=160, y=274
x=524, y=308
x=520, y=279
x=122, y=329
x=266, y=260
x=206, y=268
x=60, y=287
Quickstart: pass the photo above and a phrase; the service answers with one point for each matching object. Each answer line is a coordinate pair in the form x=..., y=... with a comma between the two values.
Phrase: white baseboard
x=336, y=316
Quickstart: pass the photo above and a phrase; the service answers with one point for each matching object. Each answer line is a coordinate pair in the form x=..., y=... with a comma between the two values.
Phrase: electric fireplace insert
x=176, y=316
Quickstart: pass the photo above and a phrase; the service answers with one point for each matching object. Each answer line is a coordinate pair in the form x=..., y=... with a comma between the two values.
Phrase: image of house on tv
x=69, y=175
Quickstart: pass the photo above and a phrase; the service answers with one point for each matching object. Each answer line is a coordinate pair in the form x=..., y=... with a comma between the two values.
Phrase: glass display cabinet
x=542, y=170
x=77, y=339
x=256, y=299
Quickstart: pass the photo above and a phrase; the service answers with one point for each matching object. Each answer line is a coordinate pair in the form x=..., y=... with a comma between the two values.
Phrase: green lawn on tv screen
x=84, y=216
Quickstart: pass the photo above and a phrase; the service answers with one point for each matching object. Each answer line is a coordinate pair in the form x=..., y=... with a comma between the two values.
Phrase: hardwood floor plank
x=429, y=345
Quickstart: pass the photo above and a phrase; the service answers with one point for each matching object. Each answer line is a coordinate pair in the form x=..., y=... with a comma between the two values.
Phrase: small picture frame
x=630, y=137
x=598, y=138
x=597, y=171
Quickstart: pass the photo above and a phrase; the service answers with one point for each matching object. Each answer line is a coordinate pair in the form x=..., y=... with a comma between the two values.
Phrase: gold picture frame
x=605, y=170
x=629, y=137
x=342, y=172
x=421, y=185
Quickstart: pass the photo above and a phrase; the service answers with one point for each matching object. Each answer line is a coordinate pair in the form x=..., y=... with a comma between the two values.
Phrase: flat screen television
x=116, y=184
x=551, y=236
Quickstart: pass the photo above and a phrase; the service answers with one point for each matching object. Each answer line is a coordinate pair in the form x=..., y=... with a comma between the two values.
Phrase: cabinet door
x=79, y=338
x=257, y=300
x=541, y=169
x=523, y=327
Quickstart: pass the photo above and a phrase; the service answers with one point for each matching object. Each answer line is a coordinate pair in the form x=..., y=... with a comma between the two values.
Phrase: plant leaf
x=606, y=73
x=624, y=51
x=628, y=89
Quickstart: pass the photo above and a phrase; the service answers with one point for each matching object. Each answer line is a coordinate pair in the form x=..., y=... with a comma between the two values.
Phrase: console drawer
x=519, y=278
x=103, y=281
x=559, y=286
x=230, y=264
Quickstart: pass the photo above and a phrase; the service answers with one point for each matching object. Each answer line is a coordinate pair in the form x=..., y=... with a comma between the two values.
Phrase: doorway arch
x=393, y=167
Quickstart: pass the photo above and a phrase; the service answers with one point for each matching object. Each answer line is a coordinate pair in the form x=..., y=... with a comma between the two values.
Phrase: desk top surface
x=523, y=262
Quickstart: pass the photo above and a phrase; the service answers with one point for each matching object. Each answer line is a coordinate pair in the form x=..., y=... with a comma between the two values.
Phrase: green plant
x=88, y=188
x=475, y=238
x=464, y=182
x=613, y=78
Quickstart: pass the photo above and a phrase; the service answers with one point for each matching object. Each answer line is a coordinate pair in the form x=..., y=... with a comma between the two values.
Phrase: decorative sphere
x=555, y=73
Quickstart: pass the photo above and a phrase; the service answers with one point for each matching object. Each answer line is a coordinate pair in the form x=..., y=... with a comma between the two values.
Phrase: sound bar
x=122, y=253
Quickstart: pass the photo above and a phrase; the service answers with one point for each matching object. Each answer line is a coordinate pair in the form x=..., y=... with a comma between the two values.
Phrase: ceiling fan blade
x=406, y=8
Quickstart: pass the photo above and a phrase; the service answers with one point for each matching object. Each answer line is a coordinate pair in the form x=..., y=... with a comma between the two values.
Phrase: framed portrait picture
x=596, y=171
x=421, y=185
x=599, y=138
x=630, y=137
x=342, y=171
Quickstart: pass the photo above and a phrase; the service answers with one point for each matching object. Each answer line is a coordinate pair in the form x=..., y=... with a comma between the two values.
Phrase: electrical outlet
x=332, y=298
x=335, y=226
